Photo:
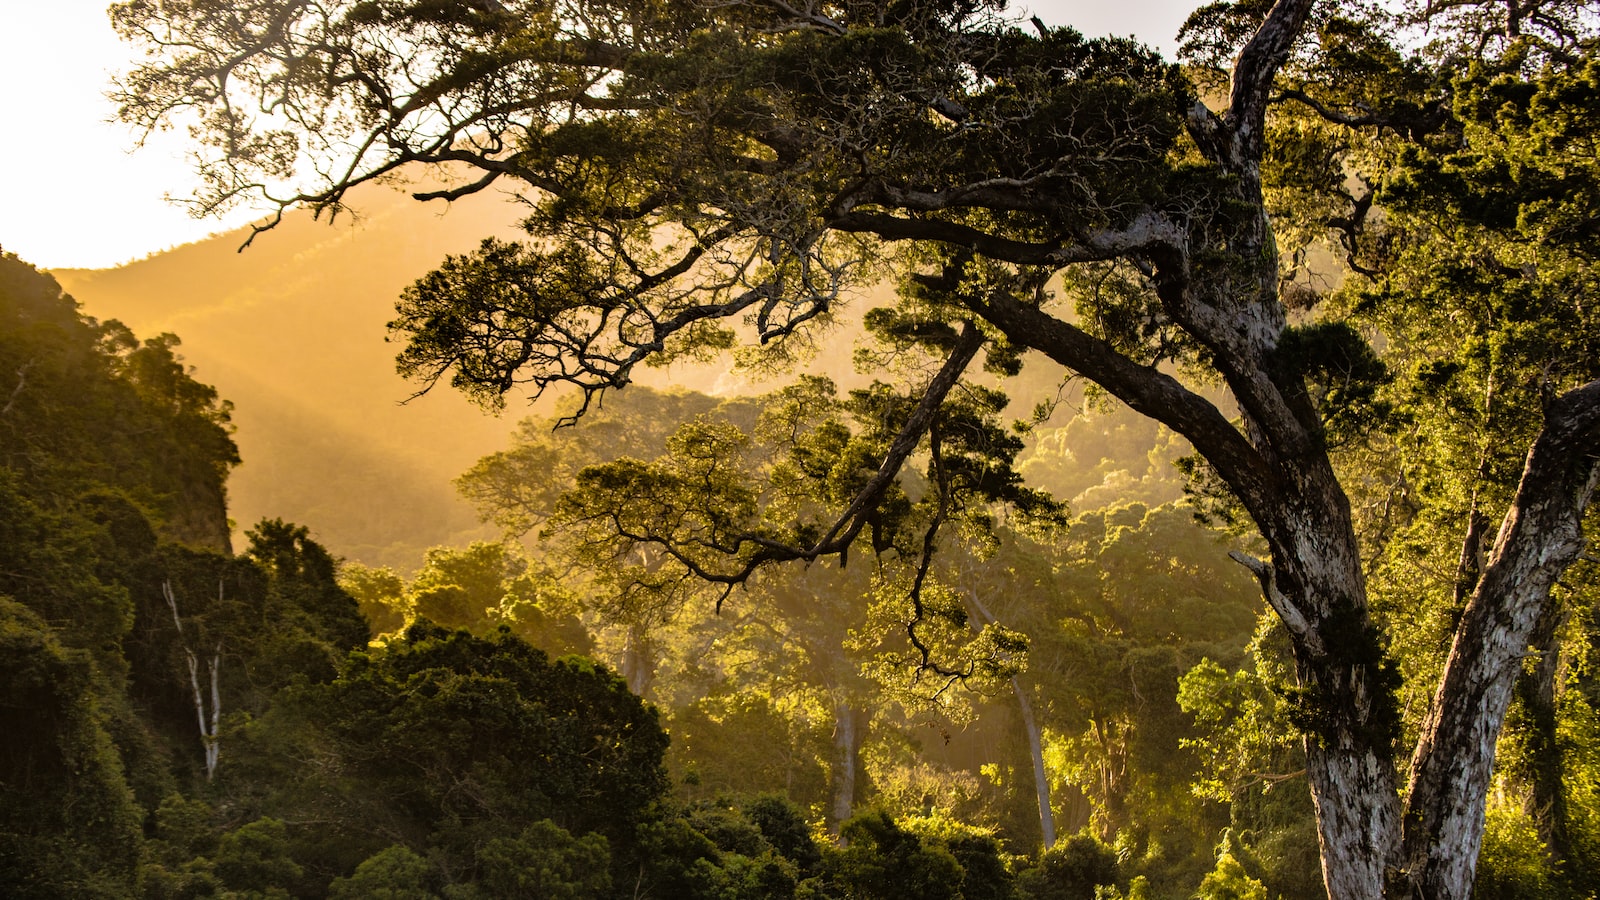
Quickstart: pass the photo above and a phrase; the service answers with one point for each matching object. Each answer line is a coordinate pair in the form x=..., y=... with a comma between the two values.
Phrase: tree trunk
x=1539, y=538
x=1113, y=746
x=1345, y=706
x=1344, y=701
x=1352, y=789
x=213, y=744
x=1347, y=710
x=1041, y=779
x=638, y=661
x=1030, y=723
x=1077, y=810
x=849, y=727
x=209, y=735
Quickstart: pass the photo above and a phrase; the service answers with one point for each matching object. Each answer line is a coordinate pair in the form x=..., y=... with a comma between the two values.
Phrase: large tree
x=693, y=164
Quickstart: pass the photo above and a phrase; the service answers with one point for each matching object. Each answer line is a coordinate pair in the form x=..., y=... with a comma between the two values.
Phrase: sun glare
x=75, y=194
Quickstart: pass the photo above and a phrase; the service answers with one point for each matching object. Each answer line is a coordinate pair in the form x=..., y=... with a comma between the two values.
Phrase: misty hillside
x=292, y=331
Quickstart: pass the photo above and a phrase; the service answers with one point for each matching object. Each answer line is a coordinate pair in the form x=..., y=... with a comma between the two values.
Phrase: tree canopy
x=701, y=176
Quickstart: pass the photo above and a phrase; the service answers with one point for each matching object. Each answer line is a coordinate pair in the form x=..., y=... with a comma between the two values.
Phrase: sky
x=75, y=193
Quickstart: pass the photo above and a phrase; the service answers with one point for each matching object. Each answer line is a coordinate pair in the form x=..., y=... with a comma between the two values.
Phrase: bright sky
x=73, y=193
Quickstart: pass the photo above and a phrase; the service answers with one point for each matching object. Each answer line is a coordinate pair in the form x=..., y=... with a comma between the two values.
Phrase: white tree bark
x=1539, y=538
x=638, y=660
x=1041, y=779
x=209, y=724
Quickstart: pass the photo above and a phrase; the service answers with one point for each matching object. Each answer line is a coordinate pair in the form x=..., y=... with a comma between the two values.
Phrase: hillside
x=292, y=330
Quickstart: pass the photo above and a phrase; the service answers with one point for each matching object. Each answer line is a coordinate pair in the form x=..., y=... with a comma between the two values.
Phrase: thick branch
x=456, y=193
x=1253, y=75
x=1146, y=390
x=807, y=18
x=1293, y=618
x=1147, y=230
x=850, y=522
x=1414, y=122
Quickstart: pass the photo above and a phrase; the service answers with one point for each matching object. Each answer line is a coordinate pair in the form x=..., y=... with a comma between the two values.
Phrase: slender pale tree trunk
x=1077, y=810
x=209, y=725
x=849, y=728
x=638, y=660
x=1041, y=781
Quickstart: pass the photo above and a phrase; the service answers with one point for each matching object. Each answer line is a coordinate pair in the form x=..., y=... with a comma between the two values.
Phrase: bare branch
x=1293, y=618
x=1415, y=123
x=22, y=382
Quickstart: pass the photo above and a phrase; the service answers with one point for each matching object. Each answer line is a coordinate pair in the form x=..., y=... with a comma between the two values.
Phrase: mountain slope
x=292, y=330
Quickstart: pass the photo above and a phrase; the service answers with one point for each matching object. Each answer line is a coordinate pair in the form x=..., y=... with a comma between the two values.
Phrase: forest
x=1166, y=480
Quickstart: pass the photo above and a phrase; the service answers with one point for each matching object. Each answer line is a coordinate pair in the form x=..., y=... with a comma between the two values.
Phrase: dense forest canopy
x=1345, y=252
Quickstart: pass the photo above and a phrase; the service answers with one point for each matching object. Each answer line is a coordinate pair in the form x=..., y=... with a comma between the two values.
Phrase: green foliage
x=261, y=621
x=182, y=837
x=1228, y=881
x=781, y=826
x=691, y=166
x=87, y=404
x=986, y=870
x=68, y=823
x=1148, y=594
x=1098, y=459
x=489, y=585
x=1341, y=375
x=48, y=562
x=1251, y=758
x=1514, y=862
x=480, y=588
x=517, y=488
x=721, y=500
x=717, y=850
x=112, y=460
x=1240, y=722
x=544, y=862
x=913, y=785
x=447, y=738
x=394, y=873
x=745, y=744
x=1075, y=869
x=304, y=588
x=380, y=594
x=880, y=860
x=255, y=859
